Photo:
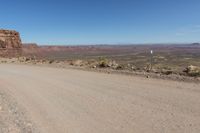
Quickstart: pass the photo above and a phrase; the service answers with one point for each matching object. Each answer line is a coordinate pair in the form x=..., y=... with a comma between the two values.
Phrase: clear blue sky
x=102, y=21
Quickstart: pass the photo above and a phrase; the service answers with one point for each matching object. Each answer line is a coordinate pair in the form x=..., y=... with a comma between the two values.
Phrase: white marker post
x=151, y=51
x=151, y=60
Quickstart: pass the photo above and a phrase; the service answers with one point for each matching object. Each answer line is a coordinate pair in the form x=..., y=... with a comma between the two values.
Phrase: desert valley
x=98, y=88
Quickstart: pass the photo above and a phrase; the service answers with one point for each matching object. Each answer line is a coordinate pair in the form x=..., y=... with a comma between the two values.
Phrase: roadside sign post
x=151, y=65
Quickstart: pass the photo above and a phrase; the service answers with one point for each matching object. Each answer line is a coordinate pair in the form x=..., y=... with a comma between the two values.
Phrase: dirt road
x=74, y=101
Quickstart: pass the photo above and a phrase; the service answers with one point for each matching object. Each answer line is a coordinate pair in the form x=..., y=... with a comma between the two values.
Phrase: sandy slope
x=74, y=101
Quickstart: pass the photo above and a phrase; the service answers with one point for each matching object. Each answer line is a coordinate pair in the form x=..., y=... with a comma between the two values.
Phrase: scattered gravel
x=12, y=119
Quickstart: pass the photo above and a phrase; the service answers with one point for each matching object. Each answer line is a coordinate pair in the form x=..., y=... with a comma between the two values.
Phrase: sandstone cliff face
x=10, y=39
x=10, y=43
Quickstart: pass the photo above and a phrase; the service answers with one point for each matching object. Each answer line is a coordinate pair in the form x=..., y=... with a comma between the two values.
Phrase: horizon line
x=110, y=44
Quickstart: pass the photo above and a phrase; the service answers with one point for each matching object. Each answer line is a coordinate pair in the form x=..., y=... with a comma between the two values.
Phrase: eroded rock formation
x=10, y=43
x=10, y=39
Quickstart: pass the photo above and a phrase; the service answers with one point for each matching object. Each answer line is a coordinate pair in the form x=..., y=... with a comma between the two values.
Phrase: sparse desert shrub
x=51, y=61
x=92, y=63
x=194, y=74
x=43, y=61
x=166, y=68
x=113, y=64
x=166, y=72
x=103, y=62
x=71, y=63
x=193, y=71
x=27, y=59
x=148, y=67
x=3, y=61
x=120, y=67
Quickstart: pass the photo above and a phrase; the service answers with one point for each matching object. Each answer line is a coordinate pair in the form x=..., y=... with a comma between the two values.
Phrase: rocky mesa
x=10, y=43
x=10, y=39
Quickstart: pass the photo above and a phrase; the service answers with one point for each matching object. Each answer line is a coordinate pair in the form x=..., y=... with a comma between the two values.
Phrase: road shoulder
x=12, y=117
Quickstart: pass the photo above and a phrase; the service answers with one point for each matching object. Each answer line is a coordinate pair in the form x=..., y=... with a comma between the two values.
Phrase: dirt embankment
x=189, y=74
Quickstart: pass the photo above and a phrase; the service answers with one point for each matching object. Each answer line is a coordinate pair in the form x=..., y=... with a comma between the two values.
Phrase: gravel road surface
x=59, y=100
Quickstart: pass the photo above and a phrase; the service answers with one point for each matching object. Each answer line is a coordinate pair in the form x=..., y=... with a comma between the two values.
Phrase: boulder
x=77, y=63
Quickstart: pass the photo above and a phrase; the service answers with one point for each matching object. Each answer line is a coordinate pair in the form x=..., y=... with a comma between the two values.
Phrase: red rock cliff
x=10, y=39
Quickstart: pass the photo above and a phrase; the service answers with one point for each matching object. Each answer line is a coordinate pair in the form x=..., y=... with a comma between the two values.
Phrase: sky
x=69, y=22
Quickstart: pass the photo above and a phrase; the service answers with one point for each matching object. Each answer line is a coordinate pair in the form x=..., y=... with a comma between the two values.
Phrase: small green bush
x=103, y=62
